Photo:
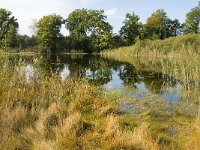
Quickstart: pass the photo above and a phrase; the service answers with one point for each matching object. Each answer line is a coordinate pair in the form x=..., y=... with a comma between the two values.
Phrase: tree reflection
x=49, y=65
x=97, y=70
x=128, y=74
x=101, y=71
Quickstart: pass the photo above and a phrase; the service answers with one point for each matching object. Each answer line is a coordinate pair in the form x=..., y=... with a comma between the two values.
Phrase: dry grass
x=47, y=113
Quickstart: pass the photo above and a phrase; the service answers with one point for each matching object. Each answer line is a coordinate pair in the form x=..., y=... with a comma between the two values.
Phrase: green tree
x=24, y=41
x=8, y=29
x=78, y=43
x=156, y=25
x=173, y=27
x=192, y=23
x=131, y=29
x=90, y=25
x=116, y=41
x=49, y=35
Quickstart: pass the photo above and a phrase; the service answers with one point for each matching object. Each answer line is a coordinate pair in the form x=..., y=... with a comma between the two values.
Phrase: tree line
x=90, y=32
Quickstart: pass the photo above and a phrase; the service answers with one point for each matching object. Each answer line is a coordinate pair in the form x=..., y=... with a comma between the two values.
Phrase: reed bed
x=181, y=47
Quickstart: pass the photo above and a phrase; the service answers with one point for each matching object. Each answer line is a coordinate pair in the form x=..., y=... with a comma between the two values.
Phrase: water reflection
x=102, y=72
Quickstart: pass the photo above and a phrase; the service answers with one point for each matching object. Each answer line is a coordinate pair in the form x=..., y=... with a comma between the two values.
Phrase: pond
x=110, y=74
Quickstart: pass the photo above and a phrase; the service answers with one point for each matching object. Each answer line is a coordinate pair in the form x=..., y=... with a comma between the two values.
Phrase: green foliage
x=8, y=29
x=89, y=31
x=159, y=26
x=116, y=41
x=155, y=24
x=192, y=23
x=89, y=26
x=81, y=43
x=88, y=22
x=24, y=41
x=131, y=29
x=49, y=34
x=173, y=28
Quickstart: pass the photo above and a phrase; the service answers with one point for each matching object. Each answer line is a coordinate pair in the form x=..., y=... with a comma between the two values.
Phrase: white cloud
x=111, y=12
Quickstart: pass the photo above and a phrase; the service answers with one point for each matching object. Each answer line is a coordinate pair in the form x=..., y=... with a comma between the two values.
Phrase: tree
x=192, y=23
x=49, y=35
x=80, y=44
x=90, y=25
x=131, y=29
x=173, y=27
x=116, y=41
x=156, y=25
x=8, y=28
x=24, y=41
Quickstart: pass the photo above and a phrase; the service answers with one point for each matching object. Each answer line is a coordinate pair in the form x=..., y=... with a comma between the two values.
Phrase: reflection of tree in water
x=97, y=69
x=14, y=62
x=78, y=65
x=101, y=71
x=93, y=67
x=128, y=74
x=54, y=64
x=49, y=65
x=155, y=82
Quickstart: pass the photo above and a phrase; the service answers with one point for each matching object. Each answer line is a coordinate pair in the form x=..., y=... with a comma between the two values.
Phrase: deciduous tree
x=8, y=28
x=192, y=23
x=173, y=27
x=131, y=29
x=156, y=24
x=49, y=34
x=90, y=25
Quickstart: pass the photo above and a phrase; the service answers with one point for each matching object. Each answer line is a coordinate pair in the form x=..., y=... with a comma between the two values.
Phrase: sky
x=26, y=11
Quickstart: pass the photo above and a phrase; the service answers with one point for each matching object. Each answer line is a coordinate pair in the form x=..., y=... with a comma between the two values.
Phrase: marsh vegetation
x=94, y=103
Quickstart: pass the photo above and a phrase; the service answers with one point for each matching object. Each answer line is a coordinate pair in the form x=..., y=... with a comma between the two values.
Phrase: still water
x=109, y=74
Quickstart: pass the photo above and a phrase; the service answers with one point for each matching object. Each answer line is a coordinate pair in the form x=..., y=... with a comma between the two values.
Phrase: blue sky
x=28, y=10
